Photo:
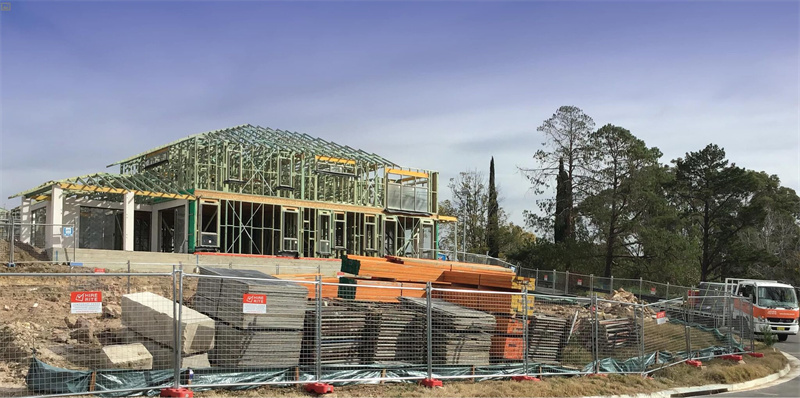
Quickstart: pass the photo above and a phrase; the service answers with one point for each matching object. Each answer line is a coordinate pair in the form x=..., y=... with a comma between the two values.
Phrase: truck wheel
x=783, y=337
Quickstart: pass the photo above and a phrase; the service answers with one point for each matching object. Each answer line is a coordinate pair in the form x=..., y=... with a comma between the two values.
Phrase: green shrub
x=767, y=336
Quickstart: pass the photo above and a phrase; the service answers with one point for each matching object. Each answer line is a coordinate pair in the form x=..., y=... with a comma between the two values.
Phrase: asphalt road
x=788, y=389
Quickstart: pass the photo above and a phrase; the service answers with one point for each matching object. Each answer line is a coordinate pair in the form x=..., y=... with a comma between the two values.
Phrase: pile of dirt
x=22, y=252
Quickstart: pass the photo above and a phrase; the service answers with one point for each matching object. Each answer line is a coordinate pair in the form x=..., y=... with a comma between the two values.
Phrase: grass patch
x=716, y=371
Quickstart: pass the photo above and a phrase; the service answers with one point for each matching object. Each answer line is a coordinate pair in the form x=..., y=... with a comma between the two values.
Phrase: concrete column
x=25, y=220
x=127, y=220
x=54, y=218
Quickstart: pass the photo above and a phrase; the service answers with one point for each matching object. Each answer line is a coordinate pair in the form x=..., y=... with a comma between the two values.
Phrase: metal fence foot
x=177, y=392
x=319, y=388
x=525, y=378
x=430, y=383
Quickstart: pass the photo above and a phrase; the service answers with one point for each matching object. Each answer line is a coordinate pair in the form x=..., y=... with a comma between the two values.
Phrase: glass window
x=776, y=296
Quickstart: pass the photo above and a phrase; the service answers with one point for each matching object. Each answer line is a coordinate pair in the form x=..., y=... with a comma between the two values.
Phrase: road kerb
x=789, y=372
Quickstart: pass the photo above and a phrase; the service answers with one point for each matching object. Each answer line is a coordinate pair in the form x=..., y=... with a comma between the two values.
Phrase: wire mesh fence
x=83, y=333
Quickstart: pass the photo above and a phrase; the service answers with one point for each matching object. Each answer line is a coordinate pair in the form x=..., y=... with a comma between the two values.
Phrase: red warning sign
x=661, y=317
x=86, y=302
x=580, y=282
x=653, y=290
x=254, y=304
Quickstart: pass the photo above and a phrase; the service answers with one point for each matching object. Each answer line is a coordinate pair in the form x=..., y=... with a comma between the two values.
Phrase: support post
x=591, y=284
x=611, y=286
x=429, y=330
x=641, y=338
x=554, y=280
x=566, y=283
x=752, y=330
x=54, y=217
x=595, y=327
x=129, y=276
x=11, y=243
x=179, y=329
x=25, y=221
x=687, y=330
x=525, y=328
x=318, y=326
x=128, y=202
x=666, y=296
x=175, y=333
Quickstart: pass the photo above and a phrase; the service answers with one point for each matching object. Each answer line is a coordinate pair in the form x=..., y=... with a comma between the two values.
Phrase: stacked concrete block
x=149, y=321
x=126, y=356
x=272, y=339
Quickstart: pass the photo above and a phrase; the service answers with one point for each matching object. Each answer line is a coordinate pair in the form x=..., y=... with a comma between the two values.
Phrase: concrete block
x=164, y=356
x=127, y=356
x=150, y=316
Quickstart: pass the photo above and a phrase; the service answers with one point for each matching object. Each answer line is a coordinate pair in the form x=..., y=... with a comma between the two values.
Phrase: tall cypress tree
x=493, y=229
x=563, y=217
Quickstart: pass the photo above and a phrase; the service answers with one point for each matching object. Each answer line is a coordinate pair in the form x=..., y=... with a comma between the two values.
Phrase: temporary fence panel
x=265, y=329
x=561, y=334
x=79, y=333
x=619, y=336
x=664, y=333
x=233, y=328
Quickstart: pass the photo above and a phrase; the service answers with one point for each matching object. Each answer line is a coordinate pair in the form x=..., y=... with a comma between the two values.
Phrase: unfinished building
x=244, y=190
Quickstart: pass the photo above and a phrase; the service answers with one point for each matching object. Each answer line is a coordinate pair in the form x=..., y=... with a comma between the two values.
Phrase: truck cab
x=774, y=305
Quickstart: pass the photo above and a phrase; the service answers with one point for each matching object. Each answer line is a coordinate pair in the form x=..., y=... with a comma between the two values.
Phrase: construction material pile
x=459, y=335
x=547, y=337
x=343, y=338
x=624, y=304
x=392, y=333
x=271, y=338
x=149, y=323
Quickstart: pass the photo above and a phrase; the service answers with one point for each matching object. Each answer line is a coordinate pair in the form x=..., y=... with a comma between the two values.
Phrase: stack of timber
x=392, y=333
x=616, y=333
x=272, y=339
x=377, y=290
x=546, y=338
x=371, y=274
x=459, y=335
x=342, y=339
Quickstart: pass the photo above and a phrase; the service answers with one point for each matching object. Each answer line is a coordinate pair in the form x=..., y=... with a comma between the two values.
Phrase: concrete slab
x=150, y=316
x=127, y=356
x=164, y=356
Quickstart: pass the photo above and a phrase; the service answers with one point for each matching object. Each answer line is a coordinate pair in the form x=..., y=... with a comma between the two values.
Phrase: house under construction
x=247, y=190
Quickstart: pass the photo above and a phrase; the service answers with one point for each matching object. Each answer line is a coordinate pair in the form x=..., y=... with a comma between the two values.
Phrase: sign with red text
x=661, y=317
x=652, y=290
x=86, y=302
x=254, y=304
x=580, y=282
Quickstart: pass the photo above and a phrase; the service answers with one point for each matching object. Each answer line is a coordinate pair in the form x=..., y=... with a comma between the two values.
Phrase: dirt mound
x=22, y=253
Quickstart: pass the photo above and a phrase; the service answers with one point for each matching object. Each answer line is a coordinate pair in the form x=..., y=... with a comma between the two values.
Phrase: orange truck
x=774, y=305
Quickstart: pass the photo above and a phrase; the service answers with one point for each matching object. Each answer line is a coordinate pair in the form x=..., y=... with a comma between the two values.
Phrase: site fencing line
x=228, y=328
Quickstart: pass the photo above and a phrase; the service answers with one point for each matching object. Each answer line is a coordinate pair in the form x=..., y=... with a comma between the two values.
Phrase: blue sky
x=436, y=85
